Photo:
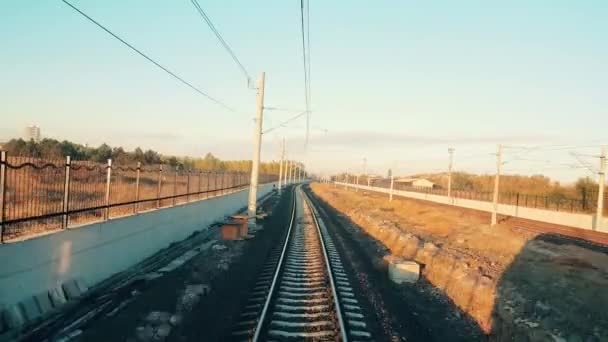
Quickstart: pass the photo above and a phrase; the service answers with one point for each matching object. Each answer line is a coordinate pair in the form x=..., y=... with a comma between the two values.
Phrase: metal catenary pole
x=66, y=192
x=257, y=149
x=496, y=184
x=390, y=198
x=106, y=215
x=600, y=193
x=2, y=192
x=281, y=166
x=451, y=152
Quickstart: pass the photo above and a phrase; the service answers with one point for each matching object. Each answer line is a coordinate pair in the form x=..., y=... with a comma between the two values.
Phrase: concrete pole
x=451, y=152
x=496, y=183
x=257, y=149
x=281, y=166
x=300, y=173
x=600, y=193
x=365, y=170
x=392, y=184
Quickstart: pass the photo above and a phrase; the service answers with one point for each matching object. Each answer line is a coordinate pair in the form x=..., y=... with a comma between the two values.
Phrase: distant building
x=32, y=133
x=416, y=182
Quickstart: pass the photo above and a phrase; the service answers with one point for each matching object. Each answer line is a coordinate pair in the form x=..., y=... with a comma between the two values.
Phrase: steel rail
x=261, y=319
x=313, y=212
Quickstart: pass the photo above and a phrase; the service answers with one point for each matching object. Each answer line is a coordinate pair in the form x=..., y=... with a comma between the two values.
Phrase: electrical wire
x=282, y=124
x=221, y=39
x=304, y=57
x=149, y=58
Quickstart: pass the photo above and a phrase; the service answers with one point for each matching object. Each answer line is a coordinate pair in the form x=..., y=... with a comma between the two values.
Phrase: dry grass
x=495, y=274
x=454, y=227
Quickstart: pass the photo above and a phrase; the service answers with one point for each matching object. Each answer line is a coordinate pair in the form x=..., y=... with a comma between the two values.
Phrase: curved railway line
x=302, y=292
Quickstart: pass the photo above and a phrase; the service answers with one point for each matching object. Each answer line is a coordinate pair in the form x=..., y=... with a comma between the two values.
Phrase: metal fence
x=584, y=204
x=40, y=196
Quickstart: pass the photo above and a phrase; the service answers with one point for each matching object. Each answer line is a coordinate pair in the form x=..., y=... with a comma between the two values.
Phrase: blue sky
x=397, y=82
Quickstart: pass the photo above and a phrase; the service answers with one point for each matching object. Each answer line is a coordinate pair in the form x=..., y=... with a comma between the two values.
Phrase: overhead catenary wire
x=293, y=118
x=216, y=101
x=221, y=39
x=306, y=67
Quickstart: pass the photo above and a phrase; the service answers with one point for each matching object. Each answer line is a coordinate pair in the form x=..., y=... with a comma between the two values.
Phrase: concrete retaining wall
x=583, y=221
x=96, y=251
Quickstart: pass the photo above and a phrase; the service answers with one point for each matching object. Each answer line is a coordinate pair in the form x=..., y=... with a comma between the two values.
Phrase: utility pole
x=496, y=182
x=281, y=167
x=451, y=152
x=365, y=170
x=257, y=147
x=392, y=184
x=600, y=193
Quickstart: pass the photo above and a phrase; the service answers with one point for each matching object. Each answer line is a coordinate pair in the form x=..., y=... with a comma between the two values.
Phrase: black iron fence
x=39, y=196
x=559, y=202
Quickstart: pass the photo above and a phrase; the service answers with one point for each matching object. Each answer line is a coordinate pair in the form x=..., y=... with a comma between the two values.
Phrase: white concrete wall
x=96, y=251
x=577, y=220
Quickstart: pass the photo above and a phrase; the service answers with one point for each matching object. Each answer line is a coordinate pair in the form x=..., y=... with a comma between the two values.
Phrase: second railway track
x=302, y=293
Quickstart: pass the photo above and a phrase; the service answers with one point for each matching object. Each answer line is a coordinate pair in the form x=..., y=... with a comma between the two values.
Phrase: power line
x=285, y=122
x=221, y=39
x=149, y=58
x=308, y=60
x=306, y=85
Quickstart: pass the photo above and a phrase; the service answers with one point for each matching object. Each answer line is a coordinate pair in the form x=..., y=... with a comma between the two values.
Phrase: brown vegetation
x=517, y=285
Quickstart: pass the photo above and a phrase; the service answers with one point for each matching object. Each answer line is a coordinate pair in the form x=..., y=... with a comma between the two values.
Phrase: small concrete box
x=403, y=271
x=244, y=220
x=230, y=230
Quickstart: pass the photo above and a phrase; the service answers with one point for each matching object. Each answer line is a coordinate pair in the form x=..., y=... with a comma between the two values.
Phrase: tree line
x=55, y=150
x=584, y=189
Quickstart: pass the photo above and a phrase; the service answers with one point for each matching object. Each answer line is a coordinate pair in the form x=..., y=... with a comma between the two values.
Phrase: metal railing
x=584, y=204
x=39, y=196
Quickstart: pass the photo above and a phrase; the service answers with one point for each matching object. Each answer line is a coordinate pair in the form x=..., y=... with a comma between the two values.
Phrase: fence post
x=175, y=186
x=200, y=184
x=2, y=192
x=137, y=172
x=66, y=192
x=106, y=215
x=160, y=182
x=188, y=186
x=208, y=184
x=222, y=183
x=215, y=186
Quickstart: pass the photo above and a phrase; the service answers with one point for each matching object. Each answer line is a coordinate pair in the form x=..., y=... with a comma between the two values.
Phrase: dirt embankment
x=517, y=285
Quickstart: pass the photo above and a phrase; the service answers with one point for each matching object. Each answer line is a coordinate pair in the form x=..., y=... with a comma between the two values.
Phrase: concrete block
x=30, y=308
x=403, y=271
x=13, y=316
x=44, y=302
x=71, y=289
x=57, y=296
x=231, y=231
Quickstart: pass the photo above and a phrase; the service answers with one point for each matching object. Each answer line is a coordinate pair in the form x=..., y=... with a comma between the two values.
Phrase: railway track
x=302, y=292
